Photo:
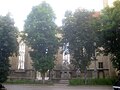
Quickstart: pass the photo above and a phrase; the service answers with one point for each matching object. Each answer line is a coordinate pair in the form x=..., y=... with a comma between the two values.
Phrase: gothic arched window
x=21, y=58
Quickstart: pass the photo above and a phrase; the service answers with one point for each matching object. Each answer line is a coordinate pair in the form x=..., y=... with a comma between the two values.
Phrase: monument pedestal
x=65, y=72
x=65, y=75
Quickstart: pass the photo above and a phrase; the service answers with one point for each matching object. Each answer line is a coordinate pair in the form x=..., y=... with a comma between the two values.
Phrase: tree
x=8, y=44
x=40, y=36
x=110, y=32
x=79, y=32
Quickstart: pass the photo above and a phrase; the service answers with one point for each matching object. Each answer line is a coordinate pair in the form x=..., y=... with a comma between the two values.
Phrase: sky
x=19, y=9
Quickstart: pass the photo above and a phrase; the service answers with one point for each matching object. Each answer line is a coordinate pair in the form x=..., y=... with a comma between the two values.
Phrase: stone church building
x=21, y=66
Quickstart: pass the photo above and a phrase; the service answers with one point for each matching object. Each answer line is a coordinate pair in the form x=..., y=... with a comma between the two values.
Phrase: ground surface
x=56, y=87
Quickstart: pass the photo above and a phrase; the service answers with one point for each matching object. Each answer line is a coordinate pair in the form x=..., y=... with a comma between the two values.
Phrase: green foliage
x=110, y=32
x=40, y=36
x=79, y=32
x=77, y=81
x=103, y=81
x=8, y=44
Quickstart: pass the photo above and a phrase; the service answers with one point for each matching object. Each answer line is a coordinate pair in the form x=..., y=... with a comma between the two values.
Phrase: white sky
x=21, y=8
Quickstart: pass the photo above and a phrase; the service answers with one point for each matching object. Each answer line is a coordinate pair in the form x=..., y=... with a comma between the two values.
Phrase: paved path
x=56, y=87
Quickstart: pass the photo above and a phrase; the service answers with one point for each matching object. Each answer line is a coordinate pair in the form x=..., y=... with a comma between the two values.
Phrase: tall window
x=100, y=64
x=21, y=59
x=66, y=54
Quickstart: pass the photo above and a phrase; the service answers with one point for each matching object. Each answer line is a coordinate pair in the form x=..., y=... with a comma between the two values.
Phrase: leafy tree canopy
x=8, y=44
x=40, y=36
x=79, y=32
x=110, y=32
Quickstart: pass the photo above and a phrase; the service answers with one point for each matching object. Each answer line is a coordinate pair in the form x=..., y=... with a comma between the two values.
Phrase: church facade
x=21, y=66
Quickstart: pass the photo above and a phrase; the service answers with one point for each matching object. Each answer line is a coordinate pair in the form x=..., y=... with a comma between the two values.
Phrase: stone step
x=64, y=82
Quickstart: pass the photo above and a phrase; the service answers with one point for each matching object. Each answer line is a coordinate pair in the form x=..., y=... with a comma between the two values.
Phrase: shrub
x=104, y=81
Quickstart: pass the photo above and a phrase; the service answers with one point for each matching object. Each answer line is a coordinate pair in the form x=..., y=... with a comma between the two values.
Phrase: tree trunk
x=43, y=78
x=49, y=74
x=85, y=75
x=35, y=75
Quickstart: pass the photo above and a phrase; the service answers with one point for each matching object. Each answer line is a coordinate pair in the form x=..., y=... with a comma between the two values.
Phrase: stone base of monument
x=65, y=75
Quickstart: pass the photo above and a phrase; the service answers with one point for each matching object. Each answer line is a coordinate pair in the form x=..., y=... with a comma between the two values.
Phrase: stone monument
x=65, y=72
